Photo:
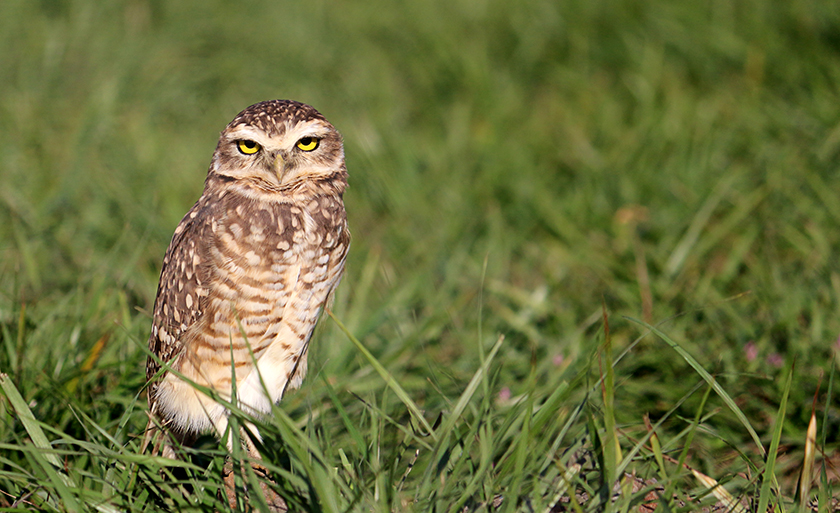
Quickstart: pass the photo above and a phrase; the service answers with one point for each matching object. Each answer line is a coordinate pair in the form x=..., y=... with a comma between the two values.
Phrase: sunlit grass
x=593, y=265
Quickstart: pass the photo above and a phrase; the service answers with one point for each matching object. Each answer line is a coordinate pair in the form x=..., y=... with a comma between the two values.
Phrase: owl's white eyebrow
x=246, y=133
x=292, y=138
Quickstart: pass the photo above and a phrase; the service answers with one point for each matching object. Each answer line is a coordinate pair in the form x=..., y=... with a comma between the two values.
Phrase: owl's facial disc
x=293, y=153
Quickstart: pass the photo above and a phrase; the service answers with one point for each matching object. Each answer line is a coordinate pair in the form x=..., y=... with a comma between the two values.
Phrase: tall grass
x=517, y=169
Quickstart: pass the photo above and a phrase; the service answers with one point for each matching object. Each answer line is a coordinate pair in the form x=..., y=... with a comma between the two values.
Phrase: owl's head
x=279, y=145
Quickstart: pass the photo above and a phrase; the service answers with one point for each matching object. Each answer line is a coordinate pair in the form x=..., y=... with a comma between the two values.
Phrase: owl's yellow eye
x=308, y=143
x=248, y=147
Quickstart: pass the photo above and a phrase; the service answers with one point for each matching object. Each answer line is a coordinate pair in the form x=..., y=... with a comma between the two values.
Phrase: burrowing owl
x=250, y=269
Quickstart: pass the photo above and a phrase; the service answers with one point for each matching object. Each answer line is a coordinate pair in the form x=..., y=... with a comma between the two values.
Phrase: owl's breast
x=273, y=268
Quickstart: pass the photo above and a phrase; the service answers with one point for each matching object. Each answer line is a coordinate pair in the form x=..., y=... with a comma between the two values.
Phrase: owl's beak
x=279, y=166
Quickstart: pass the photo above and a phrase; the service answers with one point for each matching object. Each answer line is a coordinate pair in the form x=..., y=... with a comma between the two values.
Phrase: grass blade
x=769, y=478
x=524, y=439
x=465, y=397
x=612, y=449
x=731, y=503
x=442, y=446
x=709, y=379
x=388, y=378
x=44, y=453
x=808, y=462
x=824, y=489
x=30, y=423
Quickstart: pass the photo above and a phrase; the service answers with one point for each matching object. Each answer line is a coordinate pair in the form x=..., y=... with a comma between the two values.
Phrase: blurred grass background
x=513, y=166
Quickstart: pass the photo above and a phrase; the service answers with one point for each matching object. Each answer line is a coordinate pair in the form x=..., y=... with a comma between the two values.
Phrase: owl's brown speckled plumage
x=250, y=268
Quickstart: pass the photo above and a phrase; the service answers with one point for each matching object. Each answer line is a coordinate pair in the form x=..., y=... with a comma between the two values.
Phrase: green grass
x=516, y=169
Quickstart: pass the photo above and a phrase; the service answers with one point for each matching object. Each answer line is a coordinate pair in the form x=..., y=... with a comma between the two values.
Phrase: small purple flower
x=504, y=394
x=558, y=360
x=750, y=351
x=775, y=359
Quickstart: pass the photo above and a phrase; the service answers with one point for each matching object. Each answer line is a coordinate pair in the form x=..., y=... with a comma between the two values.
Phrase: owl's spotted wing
x=180, y=298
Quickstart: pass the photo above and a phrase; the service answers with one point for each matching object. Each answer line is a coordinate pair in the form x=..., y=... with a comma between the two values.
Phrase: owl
x=250, y=269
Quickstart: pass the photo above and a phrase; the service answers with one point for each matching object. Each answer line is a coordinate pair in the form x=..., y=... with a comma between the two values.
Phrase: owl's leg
x=249, y=443
x=149, y=435
x=274, y=501
x=168, y=449
x=220, y=425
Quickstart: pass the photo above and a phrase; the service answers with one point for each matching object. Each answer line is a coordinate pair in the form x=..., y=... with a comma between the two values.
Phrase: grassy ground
x=516, y=169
